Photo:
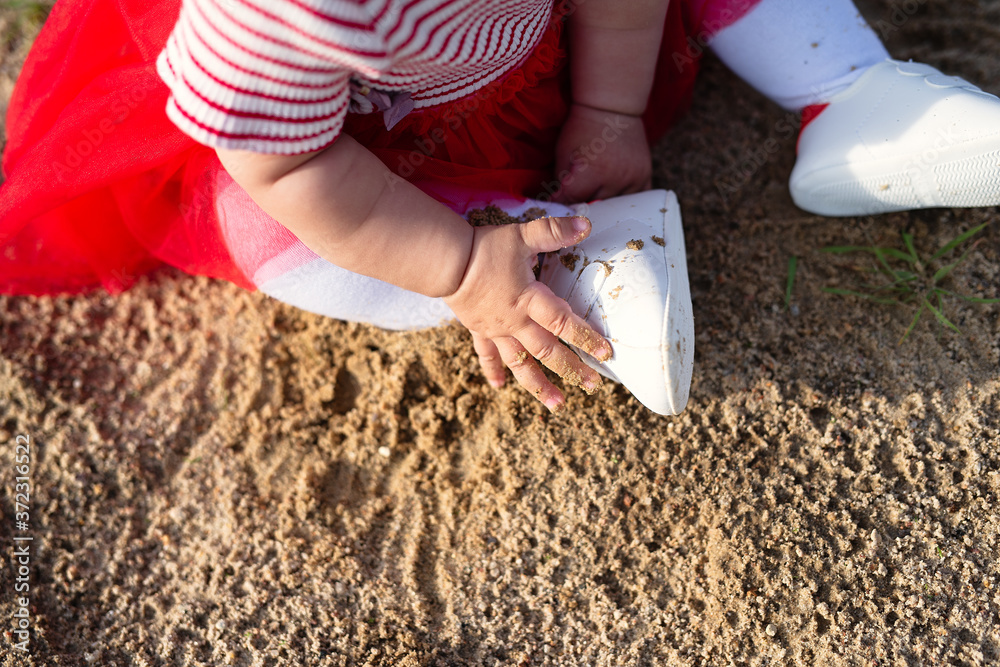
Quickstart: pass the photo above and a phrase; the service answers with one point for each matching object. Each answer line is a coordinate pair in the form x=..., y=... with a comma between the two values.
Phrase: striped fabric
x=276, y=76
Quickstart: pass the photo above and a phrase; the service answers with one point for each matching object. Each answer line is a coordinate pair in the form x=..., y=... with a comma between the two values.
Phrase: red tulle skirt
x=101, y=187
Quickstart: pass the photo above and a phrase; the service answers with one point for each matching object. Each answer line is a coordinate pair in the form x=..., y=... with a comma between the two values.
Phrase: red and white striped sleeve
x=269, y=76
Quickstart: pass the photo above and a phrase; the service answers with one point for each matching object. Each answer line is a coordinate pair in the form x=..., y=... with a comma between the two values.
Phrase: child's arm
x=345, y=205
x=603, y=148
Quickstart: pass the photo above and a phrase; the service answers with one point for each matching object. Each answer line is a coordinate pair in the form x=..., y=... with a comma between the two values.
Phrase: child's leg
x=282, y=267
x=881, y=135
x=797, y=53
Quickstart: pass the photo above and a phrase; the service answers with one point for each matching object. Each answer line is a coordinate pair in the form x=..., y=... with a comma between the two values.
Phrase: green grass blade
x=908, y=240
x=880, y=256
x=793, y=265
x=970, y=299
x=904, y=277
x=913, y=323
x=895, y=286
x=905, y=286
x=959, y=240
x=940, y=317
x=945, y=270
x=898, y=254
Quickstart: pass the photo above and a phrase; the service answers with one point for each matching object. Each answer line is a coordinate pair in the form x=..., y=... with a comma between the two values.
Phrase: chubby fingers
x=490, y=360
x=555, y=316
x=529, y=374
x=549, y=234
x=522, y=354
x=558, y=358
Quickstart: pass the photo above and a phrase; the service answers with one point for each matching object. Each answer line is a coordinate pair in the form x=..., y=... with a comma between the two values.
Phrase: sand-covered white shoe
x=629, y=280
x=903, y=136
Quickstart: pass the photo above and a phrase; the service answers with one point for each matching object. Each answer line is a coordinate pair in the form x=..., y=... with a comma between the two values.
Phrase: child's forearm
x=613, y=52
x=346, y=206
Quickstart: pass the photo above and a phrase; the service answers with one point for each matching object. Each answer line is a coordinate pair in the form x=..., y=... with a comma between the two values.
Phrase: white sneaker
x=903, y=136
x=629, y=280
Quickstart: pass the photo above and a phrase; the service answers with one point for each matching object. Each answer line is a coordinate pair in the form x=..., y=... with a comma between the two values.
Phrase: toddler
x=325, y=152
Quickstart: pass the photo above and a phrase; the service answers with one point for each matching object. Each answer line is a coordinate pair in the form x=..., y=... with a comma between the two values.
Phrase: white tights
x=799, y=52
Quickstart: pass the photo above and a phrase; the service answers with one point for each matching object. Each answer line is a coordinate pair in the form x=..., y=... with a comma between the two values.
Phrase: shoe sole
x=959, y=178
x=678, y=319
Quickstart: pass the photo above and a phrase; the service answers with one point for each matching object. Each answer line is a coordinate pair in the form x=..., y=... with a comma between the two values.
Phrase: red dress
x=101, y=187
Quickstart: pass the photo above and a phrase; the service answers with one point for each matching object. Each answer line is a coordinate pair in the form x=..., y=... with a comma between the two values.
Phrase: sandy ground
x=221, y=480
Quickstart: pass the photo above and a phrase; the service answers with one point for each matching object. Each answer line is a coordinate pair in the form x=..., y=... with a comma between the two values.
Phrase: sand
x=218, y=479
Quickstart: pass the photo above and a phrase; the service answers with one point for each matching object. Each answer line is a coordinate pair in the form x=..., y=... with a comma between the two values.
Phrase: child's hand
x=601, y=154
x=514, y=319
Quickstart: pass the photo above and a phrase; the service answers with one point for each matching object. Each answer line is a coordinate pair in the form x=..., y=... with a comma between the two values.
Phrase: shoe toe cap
x=629, y=281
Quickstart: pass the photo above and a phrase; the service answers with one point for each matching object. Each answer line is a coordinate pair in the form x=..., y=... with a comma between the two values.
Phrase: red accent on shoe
x=809, y=115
